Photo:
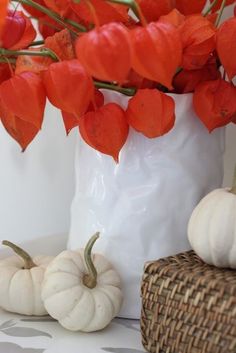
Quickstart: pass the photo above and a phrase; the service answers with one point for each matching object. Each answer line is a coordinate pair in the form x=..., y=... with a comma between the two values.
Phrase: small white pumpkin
x=212, y=228
x=21, y=278
x=82, y=292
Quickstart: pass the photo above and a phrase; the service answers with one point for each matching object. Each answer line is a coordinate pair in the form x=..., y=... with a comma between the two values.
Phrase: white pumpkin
x=21, y=278
x=82, y=292
x=212, y=228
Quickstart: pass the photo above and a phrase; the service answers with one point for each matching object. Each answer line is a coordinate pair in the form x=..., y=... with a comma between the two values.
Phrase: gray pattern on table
x=7, y=347
x=9, y=328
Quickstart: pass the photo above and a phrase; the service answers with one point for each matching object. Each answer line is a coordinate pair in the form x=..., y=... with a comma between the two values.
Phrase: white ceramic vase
x=142, y=205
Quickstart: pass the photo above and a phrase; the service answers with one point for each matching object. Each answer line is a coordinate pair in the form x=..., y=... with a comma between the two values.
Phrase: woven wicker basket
x=188, y=306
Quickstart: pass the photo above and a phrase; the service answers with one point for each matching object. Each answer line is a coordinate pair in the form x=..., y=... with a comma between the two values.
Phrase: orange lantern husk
x=226, y=46
x=198, y=37
x=151, y=112
x=68, y=86
x=215, y=103
x=24, y=97
x=105, y=52
x=156, y=52
x=105, y=129
x=20, y=130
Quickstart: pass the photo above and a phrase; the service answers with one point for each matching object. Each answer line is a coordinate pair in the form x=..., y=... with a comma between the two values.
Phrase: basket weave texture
x=188, y=306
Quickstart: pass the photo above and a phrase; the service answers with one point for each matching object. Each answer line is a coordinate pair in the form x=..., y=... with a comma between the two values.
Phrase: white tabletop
x=22, y=334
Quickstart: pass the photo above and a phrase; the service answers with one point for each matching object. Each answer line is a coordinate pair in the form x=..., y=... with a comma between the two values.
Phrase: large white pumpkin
x=82, y=292
x=212, y=228
x=21, y=278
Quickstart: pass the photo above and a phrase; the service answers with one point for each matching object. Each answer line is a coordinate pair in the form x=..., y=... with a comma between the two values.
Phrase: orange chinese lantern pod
x=13, y=29
x=188, y=7
x=20, y=130
x=28, y=36
x=187, y=80
x=61, y=44
x=24, y=96
x=3, y=13
x=151, y=112
x=215, y=103
x=105, y=52
x=105, y=12
x=156, y=52
x=174, y=17
x=68, y=86
x=18, y=32
x=226, y=46
x=105, y=129
x=31, y=63
x=198, y=37
x=71, y=120
x=153, y=9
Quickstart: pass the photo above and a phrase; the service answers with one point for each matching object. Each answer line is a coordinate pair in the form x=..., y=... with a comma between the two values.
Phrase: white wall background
x=36, y=188
x=230, y=153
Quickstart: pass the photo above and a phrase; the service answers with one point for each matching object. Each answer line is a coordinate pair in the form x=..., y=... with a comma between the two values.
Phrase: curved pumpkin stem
x=90, y=279
x=233, y=190
x=29, y=263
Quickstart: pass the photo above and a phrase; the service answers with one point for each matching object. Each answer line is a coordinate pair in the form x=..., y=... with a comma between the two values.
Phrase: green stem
x=49, y=13
x=233, y=189
x=90, y=279
x=75, y=25
x=220, y=13
x=29, y=263
x=133, y=5
x=42, y=52
x=126, y=91
x=130, y=3
x=208, y=10
x=36, y=42
x=7, y=60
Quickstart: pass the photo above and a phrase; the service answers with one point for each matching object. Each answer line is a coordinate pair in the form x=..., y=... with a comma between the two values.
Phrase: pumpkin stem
x=233, y=190
x=90, y=279
x=22, y=253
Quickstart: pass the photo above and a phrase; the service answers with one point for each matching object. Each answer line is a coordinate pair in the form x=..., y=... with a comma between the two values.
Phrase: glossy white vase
x=142, y=205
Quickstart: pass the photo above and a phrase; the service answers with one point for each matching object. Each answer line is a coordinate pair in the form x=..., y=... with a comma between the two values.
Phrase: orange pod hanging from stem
x=3, y=12
x=20, y=130
x=68, y=86
x=13, y=30
x=215, y=103
x=226, y=46
x=198, y=37
x=24, y=96
x=105, y=129
x=156, y=52
x=105, y=52
x=151, y=112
